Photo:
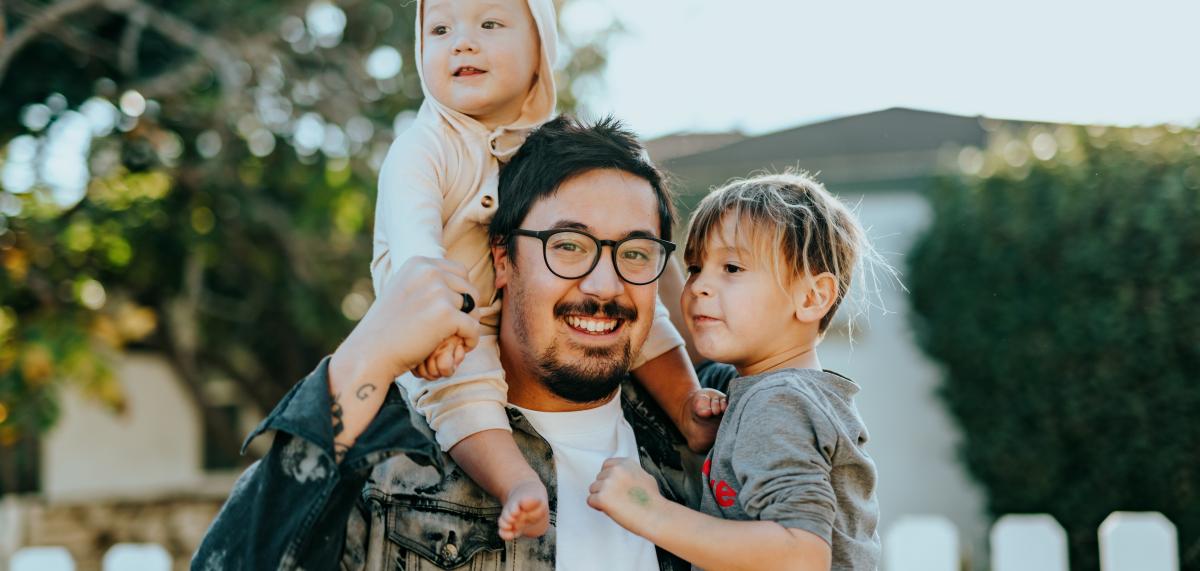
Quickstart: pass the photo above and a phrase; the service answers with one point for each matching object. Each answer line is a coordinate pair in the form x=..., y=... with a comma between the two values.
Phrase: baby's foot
x=705, y=409
x=526, y=511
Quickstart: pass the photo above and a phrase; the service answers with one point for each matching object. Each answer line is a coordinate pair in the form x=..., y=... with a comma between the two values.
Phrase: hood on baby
x=539, y=103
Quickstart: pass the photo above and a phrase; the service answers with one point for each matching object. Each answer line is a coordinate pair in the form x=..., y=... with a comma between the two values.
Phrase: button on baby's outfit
x=487, y=201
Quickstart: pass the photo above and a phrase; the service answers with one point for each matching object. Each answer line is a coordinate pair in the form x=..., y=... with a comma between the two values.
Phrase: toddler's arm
x=630, y=496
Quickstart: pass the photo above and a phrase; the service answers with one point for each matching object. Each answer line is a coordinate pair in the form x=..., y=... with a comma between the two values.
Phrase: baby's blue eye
x=490, y=25
x=438, y=30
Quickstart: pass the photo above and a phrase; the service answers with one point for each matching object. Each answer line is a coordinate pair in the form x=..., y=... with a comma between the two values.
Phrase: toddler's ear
x=814, y=297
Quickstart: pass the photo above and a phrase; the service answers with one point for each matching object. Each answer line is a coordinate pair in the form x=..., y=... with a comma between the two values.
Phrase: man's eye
x=491, y=25
x=636, y=255
x=567, y=246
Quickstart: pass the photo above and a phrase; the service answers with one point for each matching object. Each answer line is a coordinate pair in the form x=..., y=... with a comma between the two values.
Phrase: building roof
x=895, y=148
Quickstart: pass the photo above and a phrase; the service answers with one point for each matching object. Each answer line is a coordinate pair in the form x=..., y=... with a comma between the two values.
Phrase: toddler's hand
x=627, y=494
x=705, y=409
x=443, y=361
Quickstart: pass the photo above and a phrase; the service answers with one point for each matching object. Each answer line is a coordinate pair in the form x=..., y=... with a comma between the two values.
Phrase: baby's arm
x=408, y=222
x=630, y=496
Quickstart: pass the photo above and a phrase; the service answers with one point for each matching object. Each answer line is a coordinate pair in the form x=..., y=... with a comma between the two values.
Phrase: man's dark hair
x=563, y=148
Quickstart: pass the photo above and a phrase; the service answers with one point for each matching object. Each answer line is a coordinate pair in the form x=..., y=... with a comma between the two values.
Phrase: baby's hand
x=444, y=360
x=627, y=494
x=705, y=409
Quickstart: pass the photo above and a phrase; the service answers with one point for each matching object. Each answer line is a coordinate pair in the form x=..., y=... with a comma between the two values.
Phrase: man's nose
x=603, y=282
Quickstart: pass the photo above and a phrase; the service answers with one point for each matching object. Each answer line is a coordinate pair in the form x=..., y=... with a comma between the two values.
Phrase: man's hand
x=627, y=494
x=418, y=310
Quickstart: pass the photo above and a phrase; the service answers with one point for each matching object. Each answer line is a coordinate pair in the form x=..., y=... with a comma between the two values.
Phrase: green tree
x=196, y=179
x=1059, y=289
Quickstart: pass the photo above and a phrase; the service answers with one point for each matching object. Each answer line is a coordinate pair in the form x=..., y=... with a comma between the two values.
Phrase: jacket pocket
x=439, y=534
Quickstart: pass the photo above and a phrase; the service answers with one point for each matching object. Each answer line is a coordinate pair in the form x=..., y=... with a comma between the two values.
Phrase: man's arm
x=291, y=508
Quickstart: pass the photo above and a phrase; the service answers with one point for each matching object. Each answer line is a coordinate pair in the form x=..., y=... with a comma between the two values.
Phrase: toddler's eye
x=491, y=25
x=693, y=270
x=438, y=30
x=730, y=268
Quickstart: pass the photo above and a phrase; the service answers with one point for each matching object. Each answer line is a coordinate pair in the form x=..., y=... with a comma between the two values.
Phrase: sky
x=763, y=65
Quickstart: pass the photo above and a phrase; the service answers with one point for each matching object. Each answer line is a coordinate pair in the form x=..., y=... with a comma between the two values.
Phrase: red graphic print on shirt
x=722, y=491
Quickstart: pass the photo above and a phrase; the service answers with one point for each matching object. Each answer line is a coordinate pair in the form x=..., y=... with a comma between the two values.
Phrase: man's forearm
x=356, y=390
x=717, y=544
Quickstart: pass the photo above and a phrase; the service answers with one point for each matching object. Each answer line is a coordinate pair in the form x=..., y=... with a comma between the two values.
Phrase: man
x=581, y=214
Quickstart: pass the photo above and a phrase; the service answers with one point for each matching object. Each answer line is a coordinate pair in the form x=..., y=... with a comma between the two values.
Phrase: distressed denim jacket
x=396, y=502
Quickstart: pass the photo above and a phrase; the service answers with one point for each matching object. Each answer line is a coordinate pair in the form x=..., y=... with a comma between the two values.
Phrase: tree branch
x=44, y=21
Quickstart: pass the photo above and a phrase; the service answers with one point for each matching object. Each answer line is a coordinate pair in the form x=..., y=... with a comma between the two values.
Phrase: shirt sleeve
x=783, y=457
x=408, y=205
x=292, y=508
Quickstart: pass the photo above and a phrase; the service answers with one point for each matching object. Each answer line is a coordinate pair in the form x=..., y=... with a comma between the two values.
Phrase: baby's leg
x=493, y=460
x=466, y=412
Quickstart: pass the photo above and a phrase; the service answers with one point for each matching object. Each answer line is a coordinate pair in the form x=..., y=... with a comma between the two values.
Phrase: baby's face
x=480, y=57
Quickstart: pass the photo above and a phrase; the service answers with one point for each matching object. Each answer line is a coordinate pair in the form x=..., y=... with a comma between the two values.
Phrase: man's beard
x=585, y=382
x=588, y=380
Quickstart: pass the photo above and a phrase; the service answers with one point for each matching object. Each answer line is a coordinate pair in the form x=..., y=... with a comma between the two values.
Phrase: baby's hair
x=792, y=224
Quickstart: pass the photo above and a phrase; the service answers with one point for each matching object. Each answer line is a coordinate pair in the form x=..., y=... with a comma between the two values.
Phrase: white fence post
x=43, y=559
x=137, y=556
x=922, y=543
x=1138, y=541
x=1028, y=543
x=11, y=530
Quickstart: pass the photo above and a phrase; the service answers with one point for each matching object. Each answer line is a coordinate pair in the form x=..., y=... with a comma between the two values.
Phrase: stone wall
x=89, y=529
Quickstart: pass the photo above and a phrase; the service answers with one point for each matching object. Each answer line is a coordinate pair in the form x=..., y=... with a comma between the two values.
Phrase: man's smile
x=598, y=326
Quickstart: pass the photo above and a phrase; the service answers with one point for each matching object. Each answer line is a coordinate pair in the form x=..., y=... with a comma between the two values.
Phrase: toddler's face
x=734, y=307
x=479, y=57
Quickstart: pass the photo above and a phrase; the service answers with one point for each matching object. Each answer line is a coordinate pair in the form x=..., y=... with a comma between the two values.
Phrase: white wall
x=153, y=448
x=913, y=440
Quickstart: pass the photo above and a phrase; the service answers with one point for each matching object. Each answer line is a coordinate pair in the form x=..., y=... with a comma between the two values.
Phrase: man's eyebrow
x=576, y=225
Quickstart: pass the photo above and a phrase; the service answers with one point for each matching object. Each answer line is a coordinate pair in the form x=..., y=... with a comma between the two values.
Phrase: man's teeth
x=592, y=325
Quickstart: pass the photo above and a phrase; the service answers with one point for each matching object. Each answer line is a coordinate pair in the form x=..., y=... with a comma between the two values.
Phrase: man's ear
x=502, y=262
x=814, y=297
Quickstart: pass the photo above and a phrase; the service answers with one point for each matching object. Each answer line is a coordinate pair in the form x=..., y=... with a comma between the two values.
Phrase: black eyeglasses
x=572, y=254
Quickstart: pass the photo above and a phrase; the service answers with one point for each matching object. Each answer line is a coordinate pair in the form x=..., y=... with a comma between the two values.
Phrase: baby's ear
x=814, y=297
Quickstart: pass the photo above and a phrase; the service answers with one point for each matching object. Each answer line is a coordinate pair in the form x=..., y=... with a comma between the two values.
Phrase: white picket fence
x=1129, y=541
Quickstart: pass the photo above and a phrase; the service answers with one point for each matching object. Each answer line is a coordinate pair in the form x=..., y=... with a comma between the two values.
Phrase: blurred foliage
x=223, y=156
x=1058, y=287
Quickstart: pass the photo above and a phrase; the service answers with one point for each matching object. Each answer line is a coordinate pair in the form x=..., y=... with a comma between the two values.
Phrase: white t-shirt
x=582, y=441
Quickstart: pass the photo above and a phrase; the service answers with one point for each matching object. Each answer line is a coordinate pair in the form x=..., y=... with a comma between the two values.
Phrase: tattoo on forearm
x=339, y=451
x=336, y=410
x=364, y=392
x=640, y=497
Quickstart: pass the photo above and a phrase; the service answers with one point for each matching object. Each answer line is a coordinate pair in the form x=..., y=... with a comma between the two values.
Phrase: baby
x=486, y=72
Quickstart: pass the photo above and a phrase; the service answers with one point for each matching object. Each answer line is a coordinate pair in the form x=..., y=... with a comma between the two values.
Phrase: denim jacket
x=396, y=502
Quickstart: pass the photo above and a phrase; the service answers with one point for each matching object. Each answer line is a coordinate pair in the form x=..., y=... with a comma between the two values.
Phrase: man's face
x=578, y=337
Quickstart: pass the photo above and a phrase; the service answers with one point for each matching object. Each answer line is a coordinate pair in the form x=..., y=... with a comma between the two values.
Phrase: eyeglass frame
x=613, y=245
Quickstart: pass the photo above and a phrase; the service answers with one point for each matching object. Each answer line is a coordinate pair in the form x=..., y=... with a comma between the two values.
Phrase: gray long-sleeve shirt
x=791, y=450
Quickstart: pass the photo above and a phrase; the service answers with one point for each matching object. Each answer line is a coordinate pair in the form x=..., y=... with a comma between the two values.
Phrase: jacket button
x=487, y=201
x=450, y=551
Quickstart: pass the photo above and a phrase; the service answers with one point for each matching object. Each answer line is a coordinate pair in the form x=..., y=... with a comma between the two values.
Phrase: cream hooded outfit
x=437, y=194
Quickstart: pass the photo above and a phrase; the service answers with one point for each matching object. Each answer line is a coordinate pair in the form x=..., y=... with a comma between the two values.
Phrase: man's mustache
x=610, y=309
